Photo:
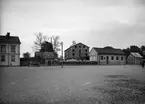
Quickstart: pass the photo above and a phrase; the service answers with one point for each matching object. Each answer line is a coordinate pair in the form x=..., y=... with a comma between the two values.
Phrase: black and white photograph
x=72, y=51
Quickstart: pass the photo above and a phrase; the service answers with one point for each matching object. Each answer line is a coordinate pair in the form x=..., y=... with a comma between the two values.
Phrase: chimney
x=8, y=34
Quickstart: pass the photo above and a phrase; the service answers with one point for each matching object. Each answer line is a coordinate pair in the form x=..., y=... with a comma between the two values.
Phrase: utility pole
x=8, y=54
x=45, y=52
x=62, y=54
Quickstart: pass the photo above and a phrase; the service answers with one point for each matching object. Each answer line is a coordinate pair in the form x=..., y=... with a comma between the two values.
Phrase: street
x=112, y=84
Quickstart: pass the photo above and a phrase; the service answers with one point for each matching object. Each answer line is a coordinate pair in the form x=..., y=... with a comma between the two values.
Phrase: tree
x=142, y=47
x=40, y=38
x=134, y=48
x=127, y=52
x=56, y=43
x=26, y=55
x=74, y=42
x=108, y=47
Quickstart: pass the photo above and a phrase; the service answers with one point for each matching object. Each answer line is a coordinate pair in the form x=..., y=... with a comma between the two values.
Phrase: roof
x=10, y=39
x=109, y=51
x=76, y=45
x=137, y=55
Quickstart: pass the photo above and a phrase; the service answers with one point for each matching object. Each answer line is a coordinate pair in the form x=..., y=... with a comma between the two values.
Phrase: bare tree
x=40, y=38
x=56, y=43
x=74, y=42
x=26, y=55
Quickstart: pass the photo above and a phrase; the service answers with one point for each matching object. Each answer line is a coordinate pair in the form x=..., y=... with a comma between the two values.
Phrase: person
x=29, y=64
x=142, y=64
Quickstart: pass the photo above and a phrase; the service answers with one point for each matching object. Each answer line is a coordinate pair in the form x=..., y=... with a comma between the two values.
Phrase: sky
x=95, y=23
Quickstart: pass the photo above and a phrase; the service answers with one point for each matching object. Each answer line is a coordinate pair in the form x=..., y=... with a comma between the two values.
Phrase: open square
x=72, y=84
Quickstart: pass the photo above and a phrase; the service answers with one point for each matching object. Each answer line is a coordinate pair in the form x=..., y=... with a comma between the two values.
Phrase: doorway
x=107, y=60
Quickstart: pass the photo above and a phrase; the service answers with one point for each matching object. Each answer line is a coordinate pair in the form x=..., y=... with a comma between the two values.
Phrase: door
x=107, y=60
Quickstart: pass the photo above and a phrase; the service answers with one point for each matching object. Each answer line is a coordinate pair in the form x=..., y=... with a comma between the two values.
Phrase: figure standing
x=142, y=64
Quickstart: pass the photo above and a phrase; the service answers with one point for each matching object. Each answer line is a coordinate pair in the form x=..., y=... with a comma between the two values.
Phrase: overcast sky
x=96, y=23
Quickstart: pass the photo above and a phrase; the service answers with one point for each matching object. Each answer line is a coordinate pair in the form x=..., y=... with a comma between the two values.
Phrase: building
x=107, y=56
x=46, y=54
x=134, y=58
x=77, y=51
x=9, y=50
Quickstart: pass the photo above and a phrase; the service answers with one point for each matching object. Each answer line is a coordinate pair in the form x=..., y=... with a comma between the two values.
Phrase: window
x=84, y=46
x=73, y=54
x=13, y=48
x=112, y=58
x=79, y=46
x=101, y=57
x=3, y=48
x=104, y=58
x=3, y=58
x=86, y=54
x=86, y=50
x=121, y=58
x=13, y=58
x=73, y=50
x=75, y=46
x=116, y=57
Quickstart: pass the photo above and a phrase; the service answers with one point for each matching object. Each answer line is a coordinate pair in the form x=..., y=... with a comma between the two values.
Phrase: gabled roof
x=135, y=54
x=76, y=45
x=109, y=51
x=10, y=39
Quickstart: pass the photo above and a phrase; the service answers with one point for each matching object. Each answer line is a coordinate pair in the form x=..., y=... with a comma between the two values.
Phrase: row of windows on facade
x=112, y=58
x=73, y=54
x=79, y=50
x=80, y=46
x=3, y=58
x=3, y=48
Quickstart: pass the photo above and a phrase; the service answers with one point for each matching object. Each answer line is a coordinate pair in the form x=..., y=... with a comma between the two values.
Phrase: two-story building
x=107, y=56
x=9, y=50
x=77, y=51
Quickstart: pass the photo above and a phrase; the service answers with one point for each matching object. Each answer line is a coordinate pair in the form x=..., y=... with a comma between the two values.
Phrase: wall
x=8, y=54
x=132, y=60
x=110, y=61
x=93, y=55
x=76, y=51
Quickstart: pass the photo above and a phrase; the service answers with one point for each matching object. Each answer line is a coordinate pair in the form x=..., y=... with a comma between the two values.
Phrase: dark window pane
x=13, y=48
x=116, y=57
x=3, y=48
x=121, y=58
x=101, y=57
x=13, y=58
x=3, y=58
x=112, y=58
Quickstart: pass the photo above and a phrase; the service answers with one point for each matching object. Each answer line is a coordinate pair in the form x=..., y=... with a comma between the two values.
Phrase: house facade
x=9, y=50
x=77, y=51
x=107, y=56
x=134, y=58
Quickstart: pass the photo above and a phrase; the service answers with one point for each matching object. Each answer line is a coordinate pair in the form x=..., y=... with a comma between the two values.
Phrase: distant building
x=107, y=56
x=77, y=51
x=9, y=50
x=134, y=58
x=46, y=53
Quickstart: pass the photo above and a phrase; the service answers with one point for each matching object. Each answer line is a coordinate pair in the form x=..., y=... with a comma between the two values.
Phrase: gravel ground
x=73, y=85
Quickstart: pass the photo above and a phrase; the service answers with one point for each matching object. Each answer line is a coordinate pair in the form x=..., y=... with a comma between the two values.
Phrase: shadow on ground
x=120, y=89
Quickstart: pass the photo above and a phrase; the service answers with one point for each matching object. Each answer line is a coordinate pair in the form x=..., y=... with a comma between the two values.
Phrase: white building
x=134, y=58
x=9, y=50
x=107, y=56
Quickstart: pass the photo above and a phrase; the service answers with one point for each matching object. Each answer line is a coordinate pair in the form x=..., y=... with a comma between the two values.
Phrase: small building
x=107, y=56
x=77, y=51
x=134, y=58
x=9, y=50
x=46, y=54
